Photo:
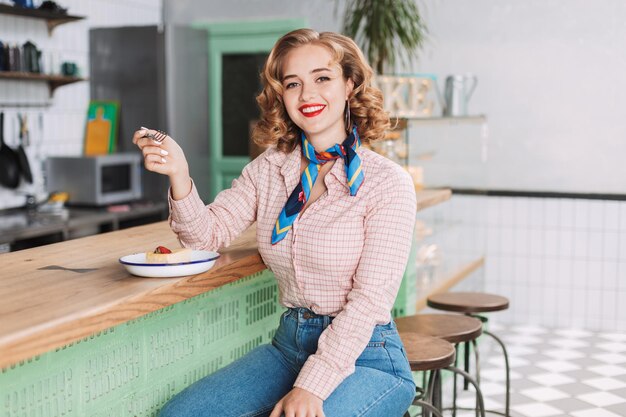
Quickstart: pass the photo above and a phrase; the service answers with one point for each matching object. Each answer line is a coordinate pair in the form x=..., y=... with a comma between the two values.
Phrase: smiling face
x=315, y=94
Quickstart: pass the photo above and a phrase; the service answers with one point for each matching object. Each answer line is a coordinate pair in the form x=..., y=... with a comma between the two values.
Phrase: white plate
x=201, y=260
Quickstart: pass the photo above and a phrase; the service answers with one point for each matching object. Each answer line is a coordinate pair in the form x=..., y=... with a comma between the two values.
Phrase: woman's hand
x=165, y=158
x=299, y=403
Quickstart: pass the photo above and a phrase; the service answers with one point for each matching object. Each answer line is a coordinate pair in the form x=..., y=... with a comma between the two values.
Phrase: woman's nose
x=307, y=92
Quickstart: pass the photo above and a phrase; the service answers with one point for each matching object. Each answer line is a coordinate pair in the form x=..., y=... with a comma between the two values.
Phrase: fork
x=159, y=136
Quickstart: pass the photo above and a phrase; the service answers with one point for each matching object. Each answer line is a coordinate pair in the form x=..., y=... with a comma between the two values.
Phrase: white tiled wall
x=57, y=124
x=562, y=262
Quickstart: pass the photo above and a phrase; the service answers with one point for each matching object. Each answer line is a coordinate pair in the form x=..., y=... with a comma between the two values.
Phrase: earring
x=347, y=120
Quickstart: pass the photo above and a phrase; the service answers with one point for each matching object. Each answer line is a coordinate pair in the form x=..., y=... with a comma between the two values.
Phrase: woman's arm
x=216, y=225
x=196, y=225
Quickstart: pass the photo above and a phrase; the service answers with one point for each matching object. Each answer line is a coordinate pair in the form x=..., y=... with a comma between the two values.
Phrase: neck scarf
x=300, y=194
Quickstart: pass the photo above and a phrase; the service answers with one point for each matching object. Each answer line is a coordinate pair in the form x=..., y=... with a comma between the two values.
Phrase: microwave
x=96, y=180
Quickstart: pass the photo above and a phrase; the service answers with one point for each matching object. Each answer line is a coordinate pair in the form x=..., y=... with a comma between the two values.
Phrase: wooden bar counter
x=61, y=293
x=80, y=336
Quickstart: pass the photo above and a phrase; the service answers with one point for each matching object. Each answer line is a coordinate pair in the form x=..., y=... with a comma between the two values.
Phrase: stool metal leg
x=430, y=392
x=479, y=394
x=425, y=384
x=425, y=405
x=425, y=392
x=454, y=390
x=476, y=359
x=506, y=365
x=477, y=366
x=436, y=398
x=428, y=405
x=466, y=353
x=507, y=368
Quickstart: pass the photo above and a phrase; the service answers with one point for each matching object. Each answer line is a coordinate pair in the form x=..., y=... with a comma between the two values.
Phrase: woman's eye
x=323, y=78
x=291, y=85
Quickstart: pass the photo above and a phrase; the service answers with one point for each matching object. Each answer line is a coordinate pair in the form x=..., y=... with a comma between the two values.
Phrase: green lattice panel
x=134, y=368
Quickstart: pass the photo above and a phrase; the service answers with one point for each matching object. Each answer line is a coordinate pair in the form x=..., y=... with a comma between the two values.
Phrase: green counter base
x=134, y=368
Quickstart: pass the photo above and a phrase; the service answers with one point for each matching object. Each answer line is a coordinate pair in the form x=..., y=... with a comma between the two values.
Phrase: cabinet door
x=237, y=52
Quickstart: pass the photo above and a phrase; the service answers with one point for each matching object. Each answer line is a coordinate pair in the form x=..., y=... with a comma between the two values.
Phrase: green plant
x=380, y=27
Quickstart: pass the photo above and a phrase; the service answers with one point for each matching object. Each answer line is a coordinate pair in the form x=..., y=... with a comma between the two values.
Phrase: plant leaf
x=382, y=27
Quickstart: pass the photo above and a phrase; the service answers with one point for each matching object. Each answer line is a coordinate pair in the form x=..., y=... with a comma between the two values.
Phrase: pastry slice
x=163, y=255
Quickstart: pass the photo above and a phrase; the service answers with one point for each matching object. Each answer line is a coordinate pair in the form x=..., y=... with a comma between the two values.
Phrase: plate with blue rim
x=201, y=261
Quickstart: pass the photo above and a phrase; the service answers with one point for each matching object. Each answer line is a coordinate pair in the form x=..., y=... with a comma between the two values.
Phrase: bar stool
x=471, y=303
x=452, y=328
x=431, y=355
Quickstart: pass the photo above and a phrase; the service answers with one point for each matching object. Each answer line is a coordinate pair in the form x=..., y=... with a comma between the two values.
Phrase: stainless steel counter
x=20, y=225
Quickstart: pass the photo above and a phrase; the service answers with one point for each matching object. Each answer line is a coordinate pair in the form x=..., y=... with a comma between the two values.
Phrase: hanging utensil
x=21, y=152
x=9, y=165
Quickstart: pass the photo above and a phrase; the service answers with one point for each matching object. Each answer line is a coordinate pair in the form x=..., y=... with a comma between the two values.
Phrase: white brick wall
x=62, y=117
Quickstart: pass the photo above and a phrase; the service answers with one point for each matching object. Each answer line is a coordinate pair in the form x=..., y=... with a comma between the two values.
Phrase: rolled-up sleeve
x=212, y=226
x=389, y=224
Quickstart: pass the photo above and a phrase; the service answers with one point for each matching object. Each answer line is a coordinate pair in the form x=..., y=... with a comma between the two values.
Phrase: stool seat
x=453, y=328
x=468, y=302
x=427, y=353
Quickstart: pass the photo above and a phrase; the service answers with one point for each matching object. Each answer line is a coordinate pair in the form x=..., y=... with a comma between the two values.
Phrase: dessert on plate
x=163, y=255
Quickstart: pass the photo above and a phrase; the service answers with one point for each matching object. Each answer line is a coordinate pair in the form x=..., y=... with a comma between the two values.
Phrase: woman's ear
x=349, y=87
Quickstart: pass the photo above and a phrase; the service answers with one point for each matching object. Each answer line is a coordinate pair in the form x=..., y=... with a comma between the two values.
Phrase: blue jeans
x=381, y=386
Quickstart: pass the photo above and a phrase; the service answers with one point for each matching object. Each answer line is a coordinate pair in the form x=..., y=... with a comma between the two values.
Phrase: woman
x=334, y=224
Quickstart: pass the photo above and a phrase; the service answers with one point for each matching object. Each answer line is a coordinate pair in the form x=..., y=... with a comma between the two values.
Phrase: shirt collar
x=289, y=164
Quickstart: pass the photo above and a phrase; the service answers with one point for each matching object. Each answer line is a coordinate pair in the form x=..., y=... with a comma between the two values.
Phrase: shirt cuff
x=317, y=377
x=186, y=209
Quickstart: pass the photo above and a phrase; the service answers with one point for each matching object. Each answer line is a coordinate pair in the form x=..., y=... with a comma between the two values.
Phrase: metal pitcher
x=458, y=90
x=31, y=57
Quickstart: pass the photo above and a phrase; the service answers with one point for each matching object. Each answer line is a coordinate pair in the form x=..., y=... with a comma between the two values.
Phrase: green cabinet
x=237, y=52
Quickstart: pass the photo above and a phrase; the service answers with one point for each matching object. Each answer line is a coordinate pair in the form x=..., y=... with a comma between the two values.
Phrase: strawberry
x=162, y=249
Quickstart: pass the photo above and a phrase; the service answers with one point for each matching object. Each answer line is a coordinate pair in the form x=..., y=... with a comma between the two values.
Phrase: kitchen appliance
x=96, y=180
x=458, y=90
x=159, y=75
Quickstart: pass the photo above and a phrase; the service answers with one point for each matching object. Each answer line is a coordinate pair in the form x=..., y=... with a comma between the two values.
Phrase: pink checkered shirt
x=345, y=255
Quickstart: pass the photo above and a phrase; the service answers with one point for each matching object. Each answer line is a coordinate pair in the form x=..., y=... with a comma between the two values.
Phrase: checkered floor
x=554, y=372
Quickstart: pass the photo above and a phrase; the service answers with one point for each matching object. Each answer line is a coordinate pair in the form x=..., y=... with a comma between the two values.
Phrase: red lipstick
x=311, y=110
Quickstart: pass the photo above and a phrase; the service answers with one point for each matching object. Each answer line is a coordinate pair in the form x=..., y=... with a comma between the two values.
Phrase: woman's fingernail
x=163, y=160
x=156, y=141
x=164, y=152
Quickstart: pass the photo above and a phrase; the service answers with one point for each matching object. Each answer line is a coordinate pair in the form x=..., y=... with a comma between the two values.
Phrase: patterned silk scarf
x=300, y=194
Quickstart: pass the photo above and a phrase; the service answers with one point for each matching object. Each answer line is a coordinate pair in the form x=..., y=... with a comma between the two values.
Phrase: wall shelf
x=54, y=81
x=480, y=118
x=52, y=19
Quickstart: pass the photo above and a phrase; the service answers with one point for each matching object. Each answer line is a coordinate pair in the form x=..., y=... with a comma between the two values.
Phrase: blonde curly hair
x=366, y=102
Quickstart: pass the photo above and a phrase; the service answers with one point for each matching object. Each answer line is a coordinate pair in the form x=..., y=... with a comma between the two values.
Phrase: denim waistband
x=306, y=316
